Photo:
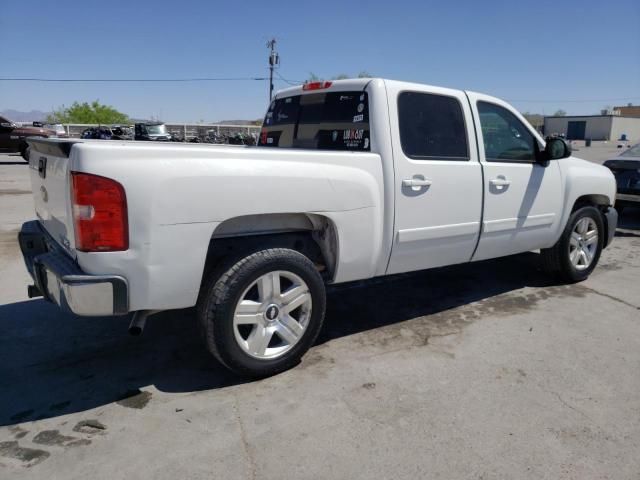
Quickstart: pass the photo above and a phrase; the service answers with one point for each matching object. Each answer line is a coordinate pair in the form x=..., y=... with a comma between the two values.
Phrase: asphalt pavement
x=482, y=371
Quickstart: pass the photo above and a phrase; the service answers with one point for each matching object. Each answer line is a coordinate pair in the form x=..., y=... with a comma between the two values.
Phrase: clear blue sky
x=539, y=55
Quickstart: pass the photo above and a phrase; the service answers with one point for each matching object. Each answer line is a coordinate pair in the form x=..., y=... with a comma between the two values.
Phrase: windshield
x=632, y=152
x=156, y=129
x=321, y=121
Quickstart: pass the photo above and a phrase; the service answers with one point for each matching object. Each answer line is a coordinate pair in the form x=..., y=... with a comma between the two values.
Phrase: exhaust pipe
x=139, y=320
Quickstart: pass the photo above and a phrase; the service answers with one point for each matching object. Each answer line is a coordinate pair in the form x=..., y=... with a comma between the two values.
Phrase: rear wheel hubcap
x=272, y=315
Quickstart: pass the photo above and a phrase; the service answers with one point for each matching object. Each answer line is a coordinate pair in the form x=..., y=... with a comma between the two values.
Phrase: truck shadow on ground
x=53, y=364
x=16, y=159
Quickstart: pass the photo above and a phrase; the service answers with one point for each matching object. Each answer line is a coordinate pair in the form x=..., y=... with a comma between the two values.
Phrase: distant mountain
x=18, y=116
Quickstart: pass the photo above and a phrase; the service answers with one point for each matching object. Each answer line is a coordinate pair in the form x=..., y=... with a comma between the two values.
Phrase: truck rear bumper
x=61, y=281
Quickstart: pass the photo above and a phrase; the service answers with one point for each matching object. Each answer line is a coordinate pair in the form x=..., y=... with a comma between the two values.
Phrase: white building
x=595, y=127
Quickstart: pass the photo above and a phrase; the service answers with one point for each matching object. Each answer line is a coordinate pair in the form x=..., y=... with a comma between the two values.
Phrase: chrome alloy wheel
x=583, y=243
x=272, y=315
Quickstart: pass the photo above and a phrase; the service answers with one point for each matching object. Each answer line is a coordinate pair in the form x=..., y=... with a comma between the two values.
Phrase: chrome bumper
x=612, y=223
x=628, y=197
x=61, y=281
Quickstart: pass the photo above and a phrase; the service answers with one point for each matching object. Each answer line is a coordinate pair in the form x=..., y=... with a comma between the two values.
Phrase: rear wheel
x=578, y=250
x=264, y=312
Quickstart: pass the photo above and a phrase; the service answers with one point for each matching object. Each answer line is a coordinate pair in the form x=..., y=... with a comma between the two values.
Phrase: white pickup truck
x=351, y=179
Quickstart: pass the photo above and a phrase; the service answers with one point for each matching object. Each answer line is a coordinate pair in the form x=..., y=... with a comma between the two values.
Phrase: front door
x=438, y=191
x=522, y=197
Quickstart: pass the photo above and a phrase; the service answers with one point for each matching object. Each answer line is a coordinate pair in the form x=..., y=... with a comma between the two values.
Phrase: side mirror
x=556, y=148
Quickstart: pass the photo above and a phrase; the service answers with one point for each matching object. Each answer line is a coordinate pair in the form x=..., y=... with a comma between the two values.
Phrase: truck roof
x=355, y=84
x=347, y=84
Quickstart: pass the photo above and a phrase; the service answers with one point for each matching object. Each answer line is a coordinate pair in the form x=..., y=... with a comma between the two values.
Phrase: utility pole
x=274, y=61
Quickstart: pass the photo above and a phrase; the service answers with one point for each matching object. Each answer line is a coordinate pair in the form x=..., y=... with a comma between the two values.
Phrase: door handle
x=500, y=182
x=416, y=182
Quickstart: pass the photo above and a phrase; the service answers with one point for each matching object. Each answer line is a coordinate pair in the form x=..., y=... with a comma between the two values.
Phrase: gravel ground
x=481, y=371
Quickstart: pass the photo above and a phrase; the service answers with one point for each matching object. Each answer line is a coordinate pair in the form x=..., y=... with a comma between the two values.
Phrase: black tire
x=221, y=292
x=24, y=152
x=556, y=261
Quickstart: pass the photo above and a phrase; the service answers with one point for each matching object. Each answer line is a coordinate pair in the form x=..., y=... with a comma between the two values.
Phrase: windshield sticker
x=353, y=137
x=358, y=118
x=362, y=97
x=334, y=135
x=360, y=107
x=288, y=100
x=366, y=143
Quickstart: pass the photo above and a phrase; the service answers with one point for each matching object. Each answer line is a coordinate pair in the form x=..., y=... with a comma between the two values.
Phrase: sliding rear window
x=318, y=121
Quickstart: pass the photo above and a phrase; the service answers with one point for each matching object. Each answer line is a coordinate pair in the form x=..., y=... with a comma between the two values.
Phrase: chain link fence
x=205, y=133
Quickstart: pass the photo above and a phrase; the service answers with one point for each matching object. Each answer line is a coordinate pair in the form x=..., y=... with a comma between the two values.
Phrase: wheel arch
x=313, y=235
x=594, y=200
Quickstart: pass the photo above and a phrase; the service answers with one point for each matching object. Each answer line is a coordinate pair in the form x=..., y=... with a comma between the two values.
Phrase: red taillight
x=316, y=85
x=99, y=213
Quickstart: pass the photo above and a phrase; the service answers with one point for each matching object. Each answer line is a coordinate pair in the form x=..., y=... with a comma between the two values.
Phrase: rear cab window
x=318, y=121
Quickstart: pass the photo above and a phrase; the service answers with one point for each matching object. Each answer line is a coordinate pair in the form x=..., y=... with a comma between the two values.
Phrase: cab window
x=505, y=137
x=318, y=121
x=432, y=127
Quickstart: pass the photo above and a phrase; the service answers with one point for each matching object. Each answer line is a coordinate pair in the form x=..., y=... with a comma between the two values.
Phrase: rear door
x=438, y=191
x=522, y=198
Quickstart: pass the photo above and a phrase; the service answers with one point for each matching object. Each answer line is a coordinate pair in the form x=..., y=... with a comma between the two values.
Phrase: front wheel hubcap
x=583, y=243
x=272, y=315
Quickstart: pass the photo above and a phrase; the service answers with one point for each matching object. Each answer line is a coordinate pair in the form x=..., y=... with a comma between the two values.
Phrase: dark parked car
x=626, y=168
x=152, y=131
x=13, y=138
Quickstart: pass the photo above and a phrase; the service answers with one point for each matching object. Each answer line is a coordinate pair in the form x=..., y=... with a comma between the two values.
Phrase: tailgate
x=49, y=166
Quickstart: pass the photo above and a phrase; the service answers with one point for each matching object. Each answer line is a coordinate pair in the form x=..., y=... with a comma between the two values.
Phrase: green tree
x=93, y=112
x=535, y=119
x=560, y=113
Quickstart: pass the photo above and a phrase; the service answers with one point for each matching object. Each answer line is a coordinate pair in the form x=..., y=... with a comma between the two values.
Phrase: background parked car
x=97, y=133
x=13, y=138
x=121, y=132
x=58, y=128
x=626, y=168
x=152, y=131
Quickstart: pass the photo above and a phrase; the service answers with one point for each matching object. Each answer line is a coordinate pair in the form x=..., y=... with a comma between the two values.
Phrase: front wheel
x=264, y=312
x=576, y=253
x=24, y=152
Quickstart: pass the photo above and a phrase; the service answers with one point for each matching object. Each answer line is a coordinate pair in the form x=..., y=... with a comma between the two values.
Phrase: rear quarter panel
x=178, y=194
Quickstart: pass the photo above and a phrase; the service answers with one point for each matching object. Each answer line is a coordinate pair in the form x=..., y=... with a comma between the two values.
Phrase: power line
x=290, y=82
x=131, y=80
